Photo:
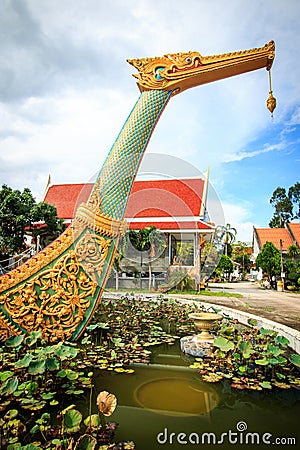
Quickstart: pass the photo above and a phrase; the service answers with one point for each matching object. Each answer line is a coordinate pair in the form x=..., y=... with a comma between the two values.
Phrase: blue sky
x=66, y=90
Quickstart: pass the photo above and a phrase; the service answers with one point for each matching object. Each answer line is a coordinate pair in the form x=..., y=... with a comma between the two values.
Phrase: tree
x=241, y=254
x=228, y=234
x=225, y=267
x=18, y=212
x=120, y=254
x=292, y=271
x=284, y=202
x=293, y=252
x=269, y=259
x=294, y=196
x=149, y=240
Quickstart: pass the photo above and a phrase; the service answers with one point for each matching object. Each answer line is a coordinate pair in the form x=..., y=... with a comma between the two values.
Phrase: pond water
x=165, y=405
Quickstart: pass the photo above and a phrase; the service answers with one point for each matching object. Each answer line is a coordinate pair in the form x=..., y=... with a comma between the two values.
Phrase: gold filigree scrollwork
x=94, y=200
x=6, y=328
x=92, y=252
x=36, y=263
x=55, y=301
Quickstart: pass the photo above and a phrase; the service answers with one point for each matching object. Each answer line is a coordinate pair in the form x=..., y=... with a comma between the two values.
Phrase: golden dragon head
x=180, y=71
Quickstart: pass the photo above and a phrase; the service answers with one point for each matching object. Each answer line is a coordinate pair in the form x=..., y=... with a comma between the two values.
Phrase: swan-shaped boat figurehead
x=58, y=290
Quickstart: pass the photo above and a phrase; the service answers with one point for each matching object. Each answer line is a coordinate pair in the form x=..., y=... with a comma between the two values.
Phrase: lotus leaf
x=252, y=322
x=9, y=386
x=52, y=363
x=37, y=367
x=62, y=373
x=242, y=369
x=11, y=414
x=92, y=421
x=33, y=338
x=48, y=395
x=245, y=348
x=265, y=384
x=72, y=375
x=74, y=391
x=262, y=362
x=195, y=365
x=212, y=377
x=72, y=421
x=66, y=352
x=295, y=382
x=5, y=375
x=228, y=330
x=273, y=350
x=27, y=447
x=86, y=442
x=24, y=362
x=266, y=332
x=31, y=387
x=32, y=404
x=14, y=341
x=281, y=359
x=223, y=344
x=295, y=359
x=281, y=385
x=281, y=340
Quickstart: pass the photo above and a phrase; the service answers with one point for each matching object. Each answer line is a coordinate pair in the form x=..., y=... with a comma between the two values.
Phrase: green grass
x=174, y=292
x=207, y=293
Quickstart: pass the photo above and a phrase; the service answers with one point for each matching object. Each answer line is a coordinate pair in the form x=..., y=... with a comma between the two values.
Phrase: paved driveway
x=282, y=307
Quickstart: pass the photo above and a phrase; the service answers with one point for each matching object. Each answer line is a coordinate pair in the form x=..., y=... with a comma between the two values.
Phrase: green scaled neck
x=114, y=182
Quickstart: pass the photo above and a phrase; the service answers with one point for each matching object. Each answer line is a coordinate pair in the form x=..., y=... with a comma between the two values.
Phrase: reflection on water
x=176, y=396
x=167, y=398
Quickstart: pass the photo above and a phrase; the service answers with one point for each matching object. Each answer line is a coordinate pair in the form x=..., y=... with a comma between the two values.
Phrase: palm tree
x=158, y=244
x=150, y=240
x=293, y=251
x=228, y=233
x=120, y=253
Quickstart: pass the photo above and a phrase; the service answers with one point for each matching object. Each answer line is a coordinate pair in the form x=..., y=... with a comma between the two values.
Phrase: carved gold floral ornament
x=92, y=251
x=55, y=301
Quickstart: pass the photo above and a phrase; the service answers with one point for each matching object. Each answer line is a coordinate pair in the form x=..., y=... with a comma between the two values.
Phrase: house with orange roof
x=282, y=238
x=294, y=230
x=175, y=207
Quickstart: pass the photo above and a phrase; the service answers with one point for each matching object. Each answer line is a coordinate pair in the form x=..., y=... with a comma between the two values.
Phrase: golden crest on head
x=179, y=71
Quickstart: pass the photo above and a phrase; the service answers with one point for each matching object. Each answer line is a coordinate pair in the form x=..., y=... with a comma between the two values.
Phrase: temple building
x=175, y=207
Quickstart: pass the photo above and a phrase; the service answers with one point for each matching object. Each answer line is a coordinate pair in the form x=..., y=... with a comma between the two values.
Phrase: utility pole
x=281, y=263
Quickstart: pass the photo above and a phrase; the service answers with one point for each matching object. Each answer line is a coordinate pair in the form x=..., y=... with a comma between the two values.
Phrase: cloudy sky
x=66, y=90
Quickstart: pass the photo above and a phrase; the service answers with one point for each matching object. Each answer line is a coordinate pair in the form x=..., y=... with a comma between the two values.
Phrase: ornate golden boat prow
x=180, y=71
x=58, y=290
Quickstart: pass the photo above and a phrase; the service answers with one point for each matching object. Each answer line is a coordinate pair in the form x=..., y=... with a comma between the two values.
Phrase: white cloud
x=238, y=217
x=251, y=154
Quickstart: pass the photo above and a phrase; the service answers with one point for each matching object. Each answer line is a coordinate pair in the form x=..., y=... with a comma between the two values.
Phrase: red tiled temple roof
x=274, y=235
x=177, y=200
x=165, y=198
x=67, y=197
